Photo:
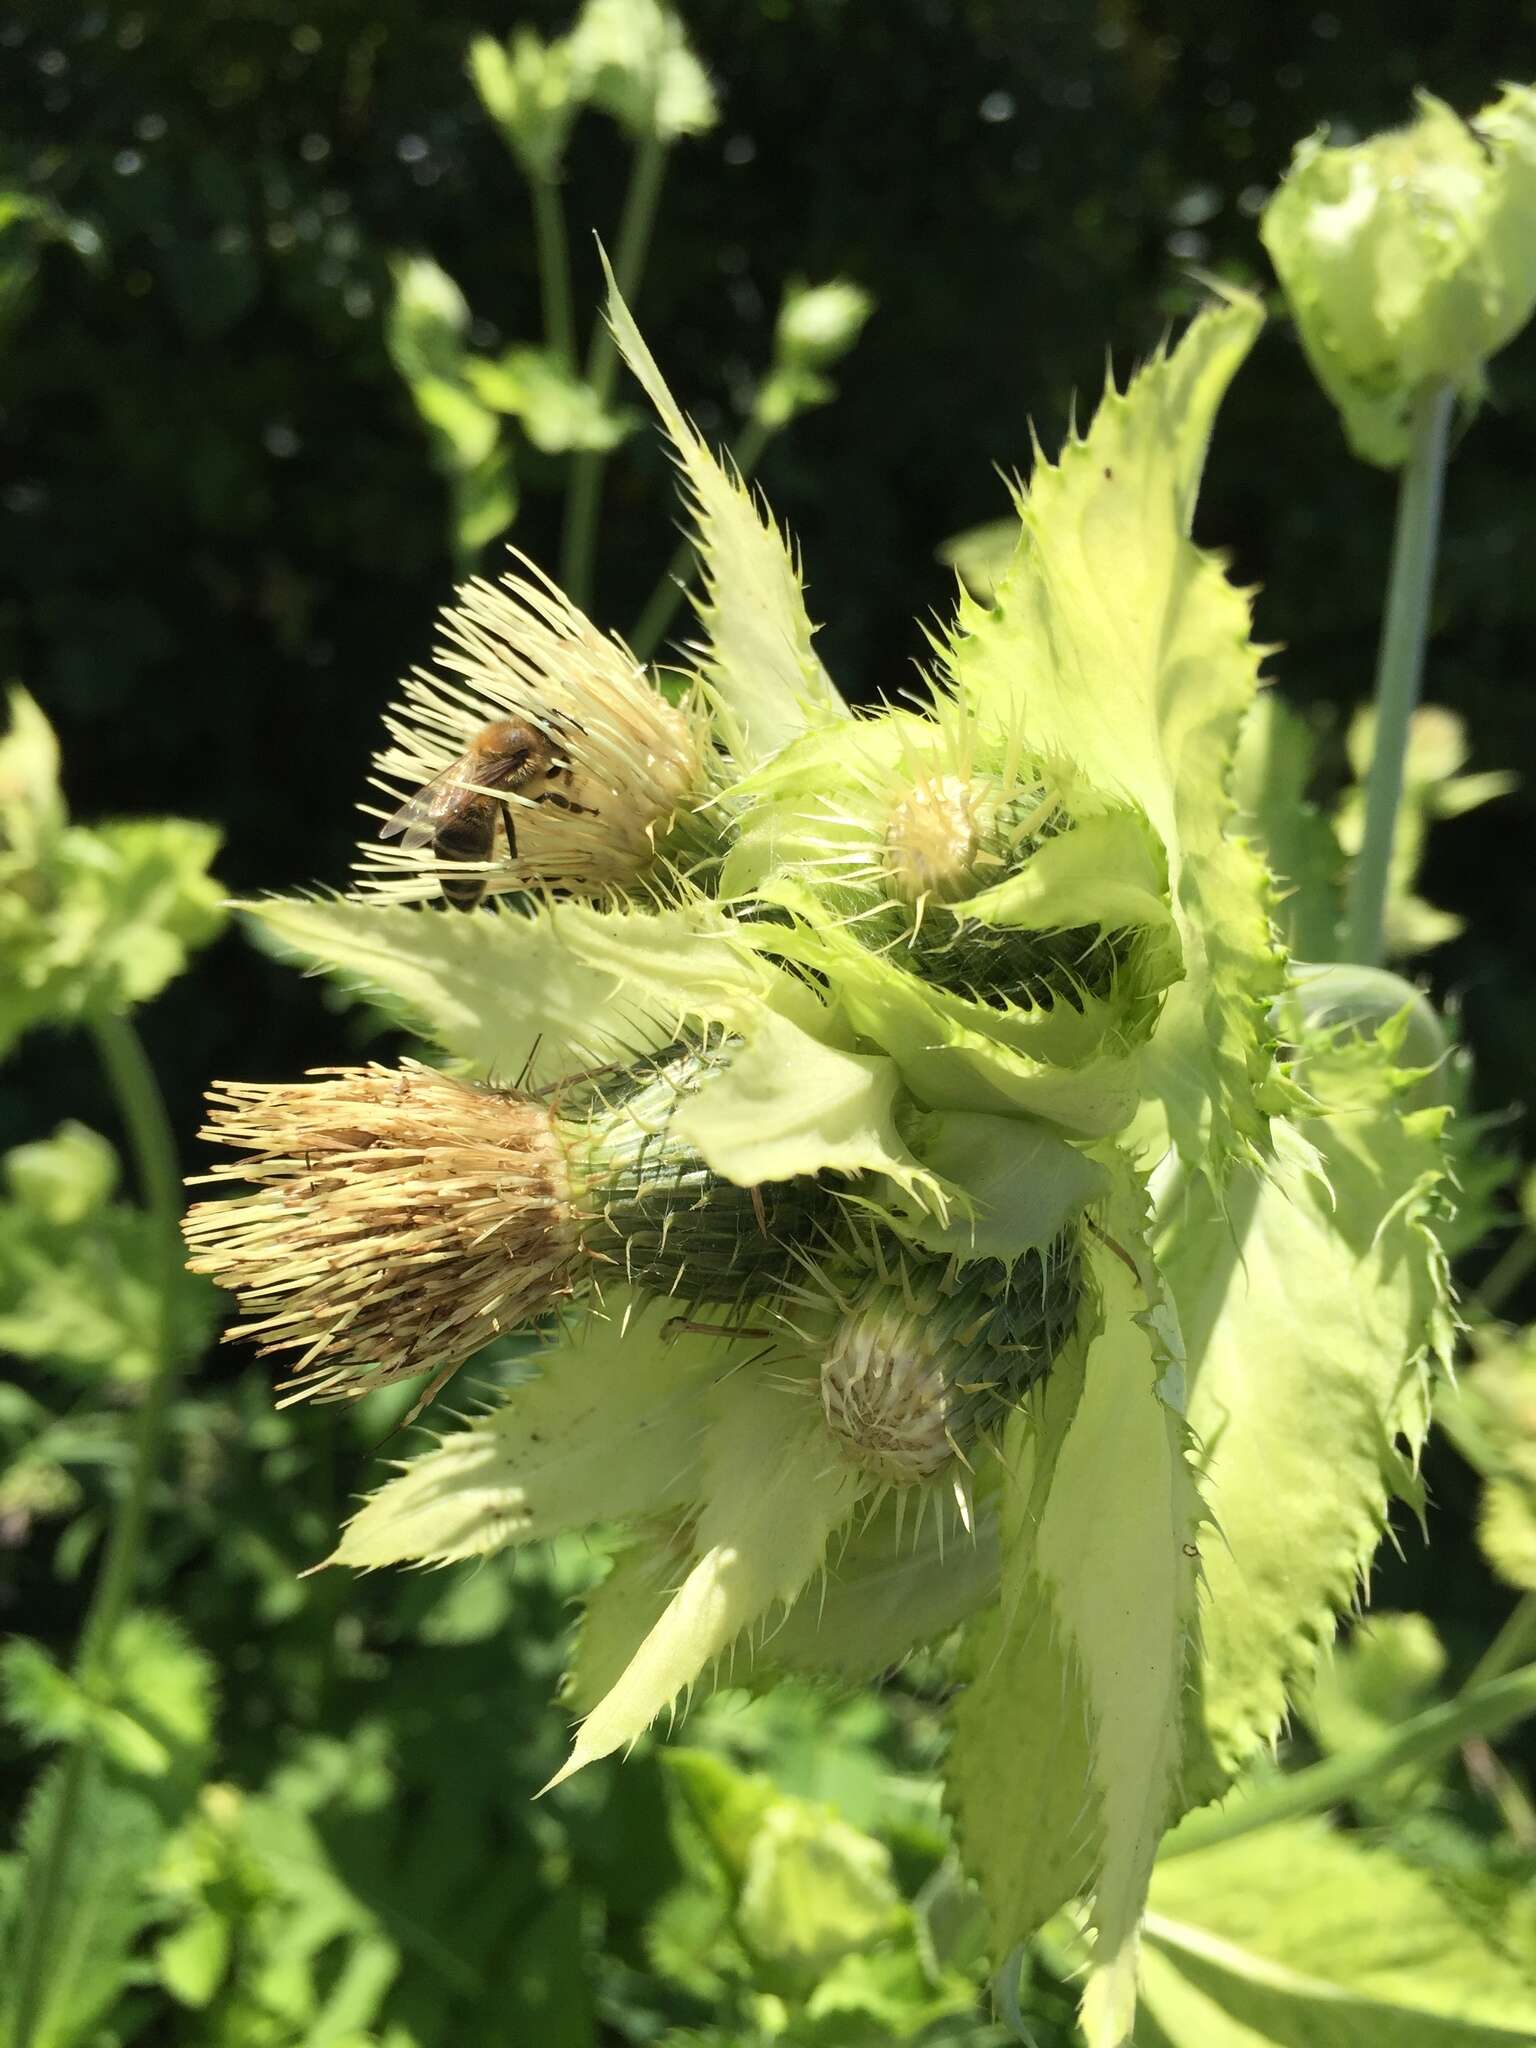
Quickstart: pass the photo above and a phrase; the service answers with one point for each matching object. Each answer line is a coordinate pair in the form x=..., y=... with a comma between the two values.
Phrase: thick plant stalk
x=142, y=1110
x=554, y=269
x=1484, y=1707
x=1399, y=667
x=586, y=486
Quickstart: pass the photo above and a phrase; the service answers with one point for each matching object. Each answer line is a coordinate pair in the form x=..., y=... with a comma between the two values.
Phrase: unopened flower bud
x=924, y=1361
x=1409, y=259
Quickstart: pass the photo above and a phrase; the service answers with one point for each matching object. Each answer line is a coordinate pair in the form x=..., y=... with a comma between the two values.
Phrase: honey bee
x=457, y=812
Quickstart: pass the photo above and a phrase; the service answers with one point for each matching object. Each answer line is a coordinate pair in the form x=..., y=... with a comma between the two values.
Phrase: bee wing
x=417, y=818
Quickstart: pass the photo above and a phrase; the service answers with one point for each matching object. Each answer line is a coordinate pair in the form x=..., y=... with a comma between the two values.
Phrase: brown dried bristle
x=399, y=1221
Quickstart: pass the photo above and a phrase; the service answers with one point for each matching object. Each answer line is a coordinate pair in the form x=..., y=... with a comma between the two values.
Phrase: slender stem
x=586, y=481
x=142, y=1110
x=1515, y=1641
x=676, y=579
x=1399, y=665
x=554, y=269
x=1478, y=1709
x=1509, y=1269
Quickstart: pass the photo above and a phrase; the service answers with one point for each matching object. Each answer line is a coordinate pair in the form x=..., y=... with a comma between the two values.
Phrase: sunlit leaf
x=763, y=675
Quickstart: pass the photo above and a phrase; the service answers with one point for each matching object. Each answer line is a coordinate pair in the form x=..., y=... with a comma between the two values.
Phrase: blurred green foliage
x=309, y=1814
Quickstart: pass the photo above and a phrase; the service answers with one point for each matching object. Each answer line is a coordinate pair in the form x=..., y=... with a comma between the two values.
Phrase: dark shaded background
x=223, y=539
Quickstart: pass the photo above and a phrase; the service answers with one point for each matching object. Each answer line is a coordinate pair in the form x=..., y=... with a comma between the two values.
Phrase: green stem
x=1399, y=665
x=554, y=270
x=586, y=483
x=1509, y=1269
x=676, y=579
x=1478, y=1709
x=153, y=1147
x=1515, y=1641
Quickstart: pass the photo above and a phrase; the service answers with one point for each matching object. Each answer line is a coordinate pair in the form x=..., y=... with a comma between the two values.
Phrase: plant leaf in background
x=92, y=919
x=1302, y=1937
x=426, y=333
x=1272, y=785
x=533, y=92
x=1434, y=788
x=79, y=1283
x=559, y=411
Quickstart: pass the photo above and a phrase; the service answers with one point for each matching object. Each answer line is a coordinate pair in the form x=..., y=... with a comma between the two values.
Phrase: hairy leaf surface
x=1312, y=1317
x=609, y=1427
x=1116, y=644
x=771, y=1492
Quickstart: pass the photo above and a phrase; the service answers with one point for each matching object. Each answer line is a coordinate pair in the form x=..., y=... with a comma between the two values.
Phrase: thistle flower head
x=537, y=756
x=927, y=1357
x=398, y=1221
x=924, y=835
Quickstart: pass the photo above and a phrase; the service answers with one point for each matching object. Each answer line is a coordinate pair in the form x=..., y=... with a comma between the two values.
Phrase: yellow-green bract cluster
x=1409, y=259
x=996, y=978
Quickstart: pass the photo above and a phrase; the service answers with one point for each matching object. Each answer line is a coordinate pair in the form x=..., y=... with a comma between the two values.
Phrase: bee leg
x=511, y=829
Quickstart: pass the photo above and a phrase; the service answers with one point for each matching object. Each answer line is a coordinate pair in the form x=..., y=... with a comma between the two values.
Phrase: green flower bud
x=401, y=1219
x=926, y=1358
x=1409, y=259
x=816, y=327
x=531, y=90
x=633, y=60
x=987, y=871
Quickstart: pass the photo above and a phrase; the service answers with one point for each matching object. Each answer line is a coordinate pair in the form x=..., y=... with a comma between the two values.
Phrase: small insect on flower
x=457, y=812
x=539, y=756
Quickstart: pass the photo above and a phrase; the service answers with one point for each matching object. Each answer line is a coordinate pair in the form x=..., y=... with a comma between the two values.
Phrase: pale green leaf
x=428, y=321
x=618, y=1615
x=31, y=805
x=788, y=1104
x=96, y=919
x=1308, y=1423
x=1117, y=645
x=1068, y=1741
x=815, y=1889
x=1305, y=1938
x=81, y=1276
x=558, y=409
x=954, y=1053
x=608, y=1428
x=531, y=91
x=530, y=1000
x=1272, y=777
x=899, y=1581
x=1019, y=1184
x=771, y=1492
x=484, y=500
x=980, y=556
x=763, y=676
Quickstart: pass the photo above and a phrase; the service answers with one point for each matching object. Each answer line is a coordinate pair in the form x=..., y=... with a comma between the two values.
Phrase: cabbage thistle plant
x=934, y=1208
